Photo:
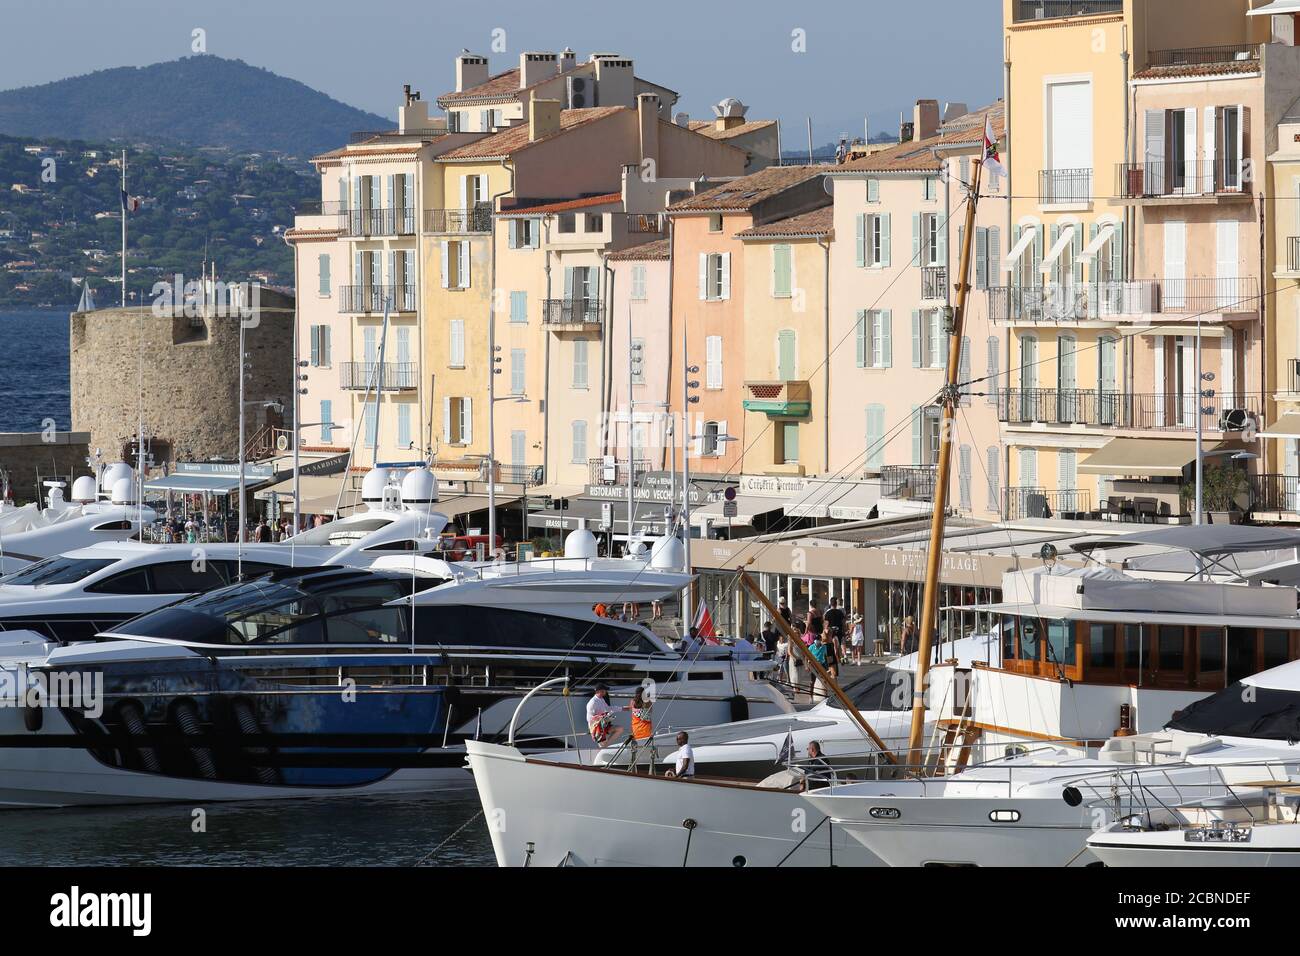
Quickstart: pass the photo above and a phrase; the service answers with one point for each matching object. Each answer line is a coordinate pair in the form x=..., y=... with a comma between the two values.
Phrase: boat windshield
x=1243, y=710
x=885, y=689
x=57, y=570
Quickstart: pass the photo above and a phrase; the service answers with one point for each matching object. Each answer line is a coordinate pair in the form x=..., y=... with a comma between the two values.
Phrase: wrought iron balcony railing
x=1058, y=9
x=934, y=283
x=392, y=377
x=1056, y=302
x=908, y=481
x=1152, y=411
x=373, y=298
x=571, y=311
x=613, y=471
x=1203, y=55
x=1160, y=179
x=1025, y=501
x=1064, y=186
x=651, y=223
x=477, y=218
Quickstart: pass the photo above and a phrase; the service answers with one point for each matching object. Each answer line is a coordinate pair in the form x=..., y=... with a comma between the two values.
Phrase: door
x=1070, y=125
x=1066, y=380
x=1028, y=377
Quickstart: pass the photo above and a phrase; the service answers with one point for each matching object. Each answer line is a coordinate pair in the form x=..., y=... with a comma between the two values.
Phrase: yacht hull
x=1264, y=846
x=542, y=812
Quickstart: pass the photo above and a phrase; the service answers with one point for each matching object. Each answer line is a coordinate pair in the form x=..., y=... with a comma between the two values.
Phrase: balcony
x=1165, y=412
x=1274, y=494
x=366, y=135
x=645, y=223
x=1204, y=55
x=355, y=299
x=459, y=221
x=1088, y=302
x=1199, y=296
x=916, y=482
x=1065, y=187
x=934, y=283
x=1159, y=182
x=1293, y=375
x=787, y=399
x=1028, y=10
x=512, y=474
x=614, y=471
x=579, y=315
x=362, y=376
x=1025, y=501
x=365, y=223
x=1293, y=254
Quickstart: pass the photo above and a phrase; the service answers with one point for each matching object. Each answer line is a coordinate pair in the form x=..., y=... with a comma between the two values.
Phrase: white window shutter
x=463, y=269
x=862, y=348
x=862, y=239
x=535, y=233
x=885, y=240
x=993, y=458
x=697, y=440
x=917, y=422
x=917, y=344
x=446, y=283
x=725, y=292
x=446, y=420
x=467, y=411
x=464, y=192
x=704, y=275
x=512, y=240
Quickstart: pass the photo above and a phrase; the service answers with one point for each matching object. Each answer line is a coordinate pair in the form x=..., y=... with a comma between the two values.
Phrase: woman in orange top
x=642, y=724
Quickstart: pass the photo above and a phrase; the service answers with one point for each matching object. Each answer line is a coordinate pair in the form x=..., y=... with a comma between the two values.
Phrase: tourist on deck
x=600, y=716
x=694, y=643
x=856, y=639
x=685, y=765
x=642, y=724
x=817, y=768
x=742, y=649
x=656, y=610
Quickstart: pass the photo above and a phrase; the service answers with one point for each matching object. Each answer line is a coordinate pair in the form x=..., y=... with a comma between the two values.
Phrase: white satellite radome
x=580, y=544
x=419, y=490
x=373, y=485
x=83, y=490
x=123, y=492
x=55, y=498
x=113, y=474
x=668, y=554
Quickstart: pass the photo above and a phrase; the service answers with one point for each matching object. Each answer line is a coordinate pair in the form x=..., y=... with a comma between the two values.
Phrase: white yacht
x=103, y=511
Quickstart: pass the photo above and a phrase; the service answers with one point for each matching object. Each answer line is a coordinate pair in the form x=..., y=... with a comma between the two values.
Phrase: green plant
x=1220, y=486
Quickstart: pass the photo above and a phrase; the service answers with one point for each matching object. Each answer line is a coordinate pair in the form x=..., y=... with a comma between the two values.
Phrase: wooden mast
x=930, y=609
x=796, y=641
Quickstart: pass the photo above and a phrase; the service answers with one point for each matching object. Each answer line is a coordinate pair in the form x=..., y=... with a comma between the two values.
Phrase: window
x=873, y=240
x=455, y=264
x=638, y=361
x=595, y=222
x=789, y=435
x=580, y=363
x=715, y=222
x=523, y=234
x=709, y=440
x=456, y=349
x=929, y=240
x=371, y=419
x=457, y=421
x=323, y=266
x=578, y=430
x=875, y=346
x=715, y=275
x=993, y=462
x=320, y=345
x=566, y=223
x=519, y=307
x=929, y=189
x=781, y=271
x=988, y=257
x=964, y=464
x=929, y=339
x=58, y=570
x=404, y=425
x=993, y=355
x=787, y=354
x=403, y=345
x=873, y=190
x=326, y=419
x=638, y=283
x=713, y=362
x=517, y=365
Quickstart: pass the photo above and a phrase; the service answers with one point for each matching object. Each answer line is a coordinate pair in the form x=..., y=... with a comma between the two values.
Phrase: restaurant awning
x=588, y=512
x=821, y=499
x=320, y=495
x=858, y=504
x=1288, y=425
x=1276, y=8
x=748, y=508
x=191, y=484
x=453, y=506
x=1146, y=457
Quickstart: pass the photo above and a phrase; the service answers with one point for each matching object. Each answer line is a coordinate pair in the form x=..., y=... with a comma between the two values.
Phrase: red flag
x=704, y=624
x=992, y=158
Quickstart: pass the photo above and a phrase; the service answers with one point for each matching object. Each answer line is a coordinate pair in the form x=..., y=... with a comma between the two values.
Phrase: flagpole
x=124, y=229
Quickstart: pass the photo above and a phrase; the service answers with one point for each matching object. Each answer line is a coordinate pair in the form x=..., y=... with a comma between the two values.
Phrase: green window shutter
x=875, y=435
x=941, y=240
x=781, y=265
x=916, y=434
x=916, y=338
x=887, y=335
x=862, y=239
x=885, y=240
x=862, y=338
x=917, y=258
x=981, y=258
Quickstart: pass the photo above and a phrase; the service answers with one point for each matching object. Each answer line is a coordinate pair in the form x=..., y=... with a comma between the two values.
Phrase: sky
x=842, y=62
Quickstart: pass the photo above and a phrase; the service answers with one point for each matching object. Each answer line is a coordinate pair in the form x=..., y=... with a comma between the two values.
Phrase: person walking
x=909, y=635
x=856, y=639
x=784, y=610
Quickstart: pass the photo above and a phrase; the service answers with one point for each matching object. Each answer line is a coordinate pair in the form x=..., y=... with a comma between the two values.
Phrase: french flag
x=704, y=624
x=130, y=203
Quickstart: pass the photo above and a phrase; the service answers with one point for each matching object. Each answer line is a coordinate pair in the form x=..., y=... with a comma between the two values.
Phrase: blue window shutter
x=916, y=434
x=916, y=338
x=885, y=240
x=862, y=338
x=862, y=239
x=887, y=337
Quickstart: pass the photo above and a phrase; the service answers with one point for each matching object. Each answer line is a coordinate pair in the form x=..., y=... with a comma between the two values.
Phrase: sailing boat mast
x=930, y=609
x=124, y=204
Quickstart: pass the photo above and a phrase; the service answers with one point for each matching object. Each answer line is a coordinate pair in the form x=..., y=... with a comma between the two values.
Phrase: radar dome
x=113, y=474
x=123, y=491
x=668, y=554
x=373, y=485
x=83, y=490
x=419, y=490
x=580, y=544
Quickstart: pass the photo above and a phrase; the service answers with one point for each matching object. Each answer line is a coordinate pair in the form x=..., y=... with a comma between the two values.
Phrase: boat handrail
x=510, y=736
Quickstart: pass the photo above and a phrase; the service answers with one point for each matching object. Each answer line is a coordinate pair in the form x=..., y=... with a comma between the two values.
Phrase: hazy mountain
x=197, y=101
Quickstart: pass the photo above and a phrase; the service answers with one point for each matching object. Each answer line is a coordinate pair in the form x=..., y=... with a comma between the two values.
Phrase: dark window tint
x=58, y=571
x=1170, y=648
x=1277, y=648
x=460, y=626
x=1031, y=634
x=1060, y=642
x=1101, y=646
x=1133, y=646
x=135, y=581
x=376, y=625
x=1209, y=649
x=113, y=526
x=185, y=577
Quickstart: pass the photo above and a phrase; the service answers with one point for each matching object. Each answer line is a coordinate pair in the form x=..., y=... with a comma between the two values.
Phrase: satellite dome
x=83, y=490
x=580, y=544
x=419, y=490
x=123, y=491
x=113, y=474
x=373, y=485
x=668, y=554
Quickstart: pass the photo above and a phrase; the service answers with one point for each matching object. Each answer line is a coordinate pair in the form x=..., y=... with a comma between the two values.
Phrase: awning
x=1206, y=539
x=555, y=491
x=748, y=508
x=1276, y=8
x=198, y=484
x=588, y=512
x=457, y=505
x=1145, y=457
x=820, y=499
x=320, y=495
x=1288, y=426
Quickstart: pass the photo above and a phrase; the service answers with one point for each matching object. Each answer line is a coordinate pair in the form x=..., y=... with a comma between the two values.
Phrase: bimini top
x=1209, y=540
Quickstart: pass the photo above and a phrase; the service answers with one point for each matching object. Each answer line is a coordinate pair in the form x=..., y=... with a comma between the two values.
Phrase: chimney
x=730, y=113
x=647, y=114
x=414, y=113
x=471, y=71
x=535, y=67
x=953, y=110
x=568, y=60
x=543, y=118
x=615, y=82
x=925, y=119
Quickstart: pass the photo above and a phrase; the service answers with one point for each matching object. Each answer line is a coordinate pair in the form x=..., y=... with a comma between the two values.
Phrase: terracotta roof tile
x=1233, y=68
x=535, y=207
x=515, y=138
x=500, y=86
x=710, y=129
x=656, y=249
x=919, y=156
x=747, y=191
x=819, y=222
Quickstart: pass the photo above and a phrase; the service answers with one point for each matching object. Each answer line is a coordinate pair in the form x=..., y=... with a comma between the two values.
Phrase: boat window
x=1169, y=650
x=182, y=577
x=294, y=622
x=365, y=594
x=1240, y=710
x=59, y=570
x=230, y=570
x=1031, y=632
x=134, y=581
x=461, y=626
x=1101, y=646
x=1277, y=648
x=406, y=544
x=376, y=625
x=1209, y=649
x=885, y=689
x=1060, y=642
x=1008, y=637
x=1132, y=646
x=113, y=526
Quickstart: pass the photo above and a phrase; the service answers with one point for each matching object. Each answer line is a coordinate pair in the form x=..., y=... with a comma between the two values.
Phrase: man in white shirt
x=685, y=766
x=600, y=716
x=744, y=650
